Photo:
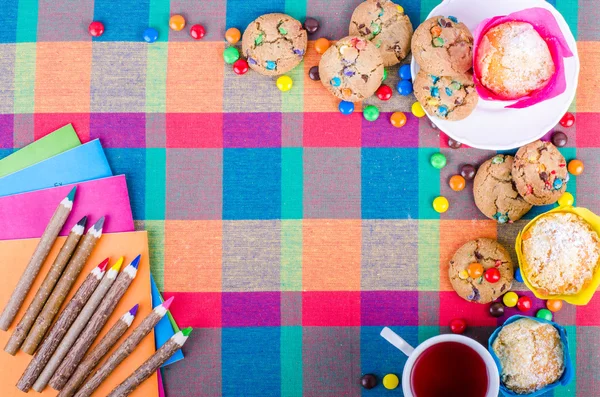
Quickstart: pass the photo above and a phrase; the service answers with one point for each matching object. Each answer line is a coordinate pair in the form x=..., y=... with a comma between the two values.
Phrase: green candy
x=371, y=113
x=498, y=159
x=384, y=74
x=438, y=160
x=231, y=54
x=259, y=39
x=455, y=85
x=282, y=30
x=438, y=42
x=544, y=314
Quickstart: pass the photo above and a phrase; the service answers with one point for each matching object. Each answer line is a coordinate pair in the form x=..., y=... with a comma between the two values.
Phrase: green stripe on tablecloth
x=429, y=185
x=429, y=255
x=570, y=11
x=291, y=255
x=296, y=9
x=570, y=153
x=25, y=59
x=291, y=182
x=156, y=159
x=27, y=21
x=156, y=250
x=291, y=361
x=158, y=15
x=156, y=78
x=570, y=389
x=427, y=331
x=293, y=100
x=426, y=7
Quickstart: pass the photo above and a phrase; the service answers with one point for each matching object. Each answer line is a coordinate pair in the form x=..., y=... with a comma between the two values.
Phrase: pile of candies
x=390, y=381
x=176, y=23
x=404, y=86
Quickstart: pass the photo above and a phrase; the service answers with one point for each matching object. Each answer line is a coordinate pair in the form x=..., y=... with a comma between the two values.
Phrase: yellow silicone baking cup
x=586, y=294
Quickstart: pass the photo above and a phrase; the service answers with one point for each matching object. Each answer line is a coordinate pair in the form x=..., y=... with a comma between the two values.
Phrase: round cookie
x=274, y=44
x=384, y=24
x=490, y=254
x=494, y=191
x=443, y=46
x=449, y=98
x=351, y=69
x=540, y=173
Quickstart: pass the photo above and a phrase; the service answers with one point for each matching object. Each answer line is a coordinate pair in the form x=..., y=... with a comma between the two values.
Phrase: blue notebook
x=163, y=330
x=82, y=163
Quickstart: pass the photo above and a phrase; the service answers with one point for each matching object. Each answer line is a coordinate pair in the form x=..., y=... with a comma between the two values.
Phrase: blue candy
x=270, y=65
x=435, y=92
x=404, y=87
x=346, y=107
x=443, y=110
x=557, y=183
x=404, y=72
x=150, y=35
x=448, y=91
x=335, y=81
x=453, y=19
x=518, y=275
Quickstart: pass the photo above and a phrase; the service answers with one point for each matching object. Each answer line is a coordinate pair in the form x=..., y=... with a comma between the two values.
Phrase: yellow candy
x=177, y=22
x=463, y=274
x=566, y=199
x=417, y=109
x=400, y=9
x=433, y=102
x=440, y=204
x=391, y=381
x=284, y=83
x=510, y=299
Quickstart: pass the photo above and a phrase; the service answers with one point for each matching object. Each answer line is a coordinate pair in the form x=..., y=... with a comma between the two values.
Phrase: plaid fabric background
x=289, y=234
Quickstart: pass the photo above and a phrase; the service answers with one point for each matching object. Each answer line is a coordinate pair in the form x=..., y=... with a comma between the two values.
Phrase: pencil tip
x=103, y=265
x=134, y=263
x=166, y=304
x=186, y=331
x=99, y=223
x=134, y=309
x=71, y=194
x=82, y=221
x=117, y=265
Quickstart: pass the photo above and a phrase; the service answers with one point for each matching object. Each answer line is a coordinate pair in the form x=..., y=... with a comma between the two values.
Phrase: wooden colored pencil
x=92, y=329
x=152, y=364
x=125, y=349
x=63, y=323
x=64, y=285
x=42, y=250
x=17, y=338
x=97, y=353
x=71, y=332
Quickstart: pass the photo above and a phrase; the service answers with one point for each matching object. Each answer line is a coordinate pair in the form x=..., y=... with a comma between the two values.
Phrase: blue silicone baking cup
x=567, y=375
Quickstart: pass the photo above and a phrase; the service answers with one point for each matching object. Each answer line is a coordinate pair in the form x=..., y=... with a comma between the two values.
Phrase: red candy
x=240, y=66
x=567, y=120
x=197, y=31
x=492, y=275
x=96, y=29
x=524, y=303
x=458, y=326
x=384, y=92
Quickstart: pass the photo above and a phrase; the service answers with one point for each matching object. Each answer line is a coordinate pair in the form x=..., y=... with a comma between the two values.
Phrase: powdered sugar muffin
x=561, y=252
x=513, y=60
x=531, y=355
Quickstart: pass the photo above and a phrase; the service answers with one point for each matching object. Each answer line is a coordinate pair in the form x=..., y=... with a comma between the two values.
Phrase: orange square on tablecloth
x=587, y=94
x=14, y=256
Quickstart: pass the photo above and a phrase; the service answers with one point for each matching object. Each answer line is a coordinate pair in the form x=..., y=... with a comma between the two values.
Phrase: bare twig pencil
x=63, y=323
x=97, y=353
x=17, y=338
x=60, y=292
x=125, y=349
x=42, y=250
x=91, y=330
x=61, y=347
x=152, y=364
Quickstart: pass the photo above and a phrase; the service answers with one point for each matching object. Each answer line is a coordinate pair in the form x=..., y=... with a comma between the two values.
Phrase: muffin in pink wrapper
x=520, y=57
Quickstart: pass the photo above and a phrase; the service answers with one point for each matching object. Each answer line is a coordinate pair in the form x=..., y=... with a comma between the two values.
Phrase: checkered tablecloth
x=289, y=234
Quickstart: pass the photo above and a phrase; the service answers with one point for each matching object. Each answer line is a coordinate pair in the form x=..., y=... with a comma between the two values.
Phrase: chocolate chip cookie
x=495, y=193
x=351, y=69
x=448, y=98
x=540, y=173
x=384, y=24
x=443, y=46
x=491, y=255
x=274, y=44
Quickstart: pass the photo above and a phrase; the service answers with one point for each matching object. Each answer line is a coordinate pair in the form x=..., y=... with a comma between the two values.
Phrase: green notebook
x=52, y=144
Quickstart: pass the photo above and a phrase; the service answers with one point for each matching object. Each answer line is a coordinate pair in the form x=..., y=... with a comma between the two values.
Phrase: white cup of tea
x=449, y=364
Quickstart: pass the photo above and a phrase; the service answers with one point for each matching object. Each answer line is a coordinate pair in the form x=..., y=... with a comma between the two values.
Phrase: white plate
x=491, y=126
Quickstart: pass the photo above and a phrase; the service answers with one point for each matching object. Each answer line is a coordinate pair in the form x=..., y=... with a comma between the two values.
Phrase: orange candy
x=554, y=305
x=457, y=183
x=436, y=31
x=233, y=35
x=575, y=167
x=398, y=119
x=321, y=45
x=177, y=22
x=475, y=270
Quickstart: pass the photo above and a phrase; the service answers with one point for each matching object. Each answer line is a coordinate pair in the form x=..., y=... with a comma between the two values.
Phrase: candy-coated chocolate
x=404, y=87
x=441, y=204
x=510, y=299
x=150, y=35
x=284, y=83
x=566, y=199
x=457, y=183
x=544, y=314
x=311, y=25
x=417, y=109
x=346, y=107
x=554, y=305
x=384, y=92
x=463, y=274
x=468, y=171
x=404, y=72
x=177, y=22
x=231, y=54
x=567, y=120
x=321, y=45
x=475, y=270
x=368, y=381
x=313, y=73
x=96, y=29
x=559, y=139
x=197, y=31
x=371, y=113
x=391, y=381
x=453, y=144
x=438, y=160
x=524, y=303
x=233, y=35
x=384, y=74
x=518, y=275
x=458, y=326
x=575, y=167
x=240, y=66
x=398, y=119
x=492, y=275
x=497, y=309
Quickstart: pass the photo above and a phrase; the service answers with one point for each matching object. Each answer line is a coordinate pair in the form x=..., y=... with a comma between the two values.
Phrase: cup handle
x=397, y=341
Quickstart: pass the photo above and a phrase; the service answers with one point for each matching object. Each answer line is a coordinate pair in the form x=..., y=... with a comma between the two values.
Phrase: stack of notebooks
x=33, y=180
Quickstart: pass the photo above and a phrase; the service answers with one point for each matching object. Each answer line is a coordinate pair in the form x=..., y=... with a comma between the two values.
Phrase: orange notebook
x=14, y=256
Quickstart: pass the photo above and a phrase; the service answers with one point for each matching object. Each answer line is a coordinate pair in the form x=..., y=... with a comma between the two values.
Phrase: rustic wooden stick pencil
x=97, y=353
x=125, y=349
x=92, y=329
x=63, y=323
x=42, y=250
x=152, y=364
x=64, y=285
x=61, y=347
x=17, y=338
